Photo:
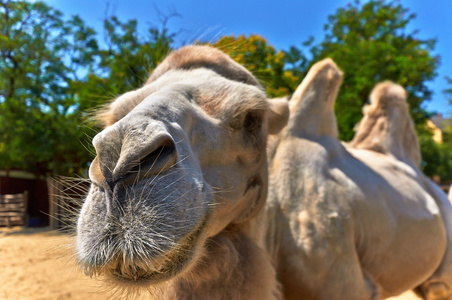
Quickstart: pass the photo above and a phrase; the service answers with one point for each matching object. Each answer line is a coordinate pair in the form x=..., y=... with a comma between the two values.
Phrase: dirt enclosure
x=38, y=264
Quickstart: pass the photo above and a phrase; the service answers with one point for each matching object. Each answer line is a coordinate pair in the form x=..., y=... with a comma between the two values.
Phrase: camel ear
x=278, y=115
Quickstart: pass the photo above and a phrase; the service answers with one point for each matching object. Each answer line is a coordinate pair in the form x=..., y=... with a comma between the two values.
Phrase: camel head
x=180, y=160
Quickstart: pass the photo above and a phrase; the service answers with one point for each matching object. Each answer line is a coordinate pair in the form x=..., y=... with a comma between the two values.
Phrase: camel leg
x=439, y=285
x=432, y=290
x=359, y=287
x=326, y=276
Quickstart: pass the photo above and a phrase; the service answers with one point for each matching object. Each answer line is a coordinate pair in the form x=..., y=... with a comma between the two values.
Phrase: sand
x=39, y=264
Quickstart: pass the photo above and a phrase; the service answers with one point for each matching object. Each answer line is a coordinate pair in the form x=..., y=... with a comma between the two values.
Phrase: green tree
x=436, y=158
x=296, y=61
x=126, y=60
x=53, y=73
x=261, y=59
x=370, y=43
x=448, y=91
x=41, y=57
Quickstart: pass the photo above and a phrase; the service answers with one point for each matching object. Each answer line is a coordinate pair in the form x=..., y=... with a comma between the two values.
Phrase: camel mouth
x=145, y=234
x=164, y=267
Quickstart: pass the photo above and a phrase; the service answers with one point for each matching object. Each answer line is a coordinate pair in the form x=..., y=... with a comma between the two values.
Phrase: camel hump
x=387, y=126
x=312, y=104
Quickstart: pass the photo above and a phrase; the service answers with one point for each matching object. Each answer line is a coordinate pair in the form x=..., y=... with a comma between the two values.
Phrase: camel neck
x=233, y=267
x=312, y=123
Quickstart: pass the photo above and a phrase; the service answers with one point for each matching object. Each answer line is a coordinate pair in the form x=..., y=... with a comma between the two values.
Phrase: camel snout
x=128, y=155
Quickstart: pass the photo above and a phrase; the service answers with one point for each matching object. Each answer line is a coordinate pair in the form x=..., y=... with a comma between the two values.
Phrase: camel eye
x=252, y=122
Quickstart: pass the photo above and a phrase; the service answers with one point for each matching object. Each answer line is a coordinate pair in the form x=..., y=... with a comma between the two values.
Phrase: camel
x=178, y=180
x=354, y=220
x=178, y=203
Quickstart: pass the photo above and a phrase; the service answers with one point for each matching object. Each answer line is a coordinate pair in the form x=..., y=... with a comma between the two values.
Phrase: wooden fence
x=13, y=209
x=65, y=198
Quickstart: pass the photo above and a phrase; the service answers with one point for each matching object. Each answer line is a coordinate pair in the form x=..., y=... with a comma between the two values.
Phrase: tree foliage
x=40, y=57
x=448, y=91
x=436, y=157
x=126, y=61
x=370, y=43
x=53, y=72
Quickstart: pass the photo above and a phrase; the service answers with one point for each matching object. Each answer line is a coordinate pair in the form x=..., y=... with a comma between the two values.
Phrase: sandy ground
x=38, y=264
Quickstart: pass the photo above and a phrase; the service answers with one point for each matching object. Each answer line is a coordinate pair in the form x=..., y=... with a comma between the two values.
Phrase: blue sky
x=283, y=23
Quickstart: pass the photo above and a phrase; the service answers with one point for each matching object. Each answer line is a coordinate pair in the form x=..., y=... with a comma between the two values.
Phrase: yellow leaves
x=239, y=58
x=279, y=58
x=291, y=79
x=278, y=92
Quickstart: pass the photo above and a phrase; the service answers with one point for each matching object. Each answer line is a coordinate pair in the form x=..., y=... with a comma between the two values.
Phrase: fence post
x=53, y=188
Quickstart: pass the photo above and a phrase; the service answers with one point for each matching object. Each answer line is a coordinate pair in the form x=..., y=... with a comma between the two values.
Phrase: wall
x=15, y=182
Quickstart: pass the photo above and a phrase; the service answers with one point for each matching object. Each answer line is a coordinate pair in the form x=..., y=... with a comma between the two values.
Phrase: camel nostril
x=127, y=154
x=150, y=160
x=111, y=185
x=158, y=160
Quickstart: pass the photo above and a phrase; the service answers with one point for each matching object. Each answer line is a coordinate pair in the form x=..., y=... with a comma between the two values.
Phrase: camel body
x=335, y=236
x=357, y=220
